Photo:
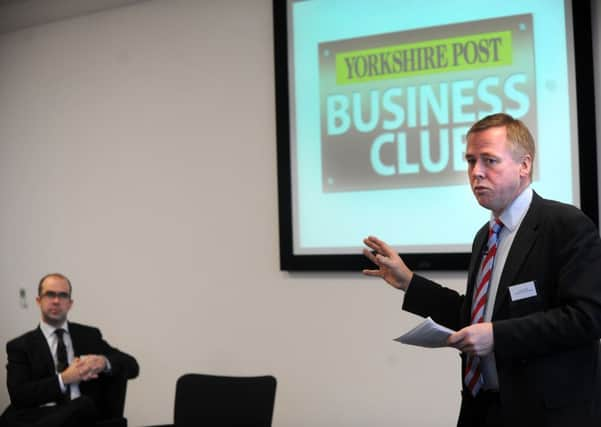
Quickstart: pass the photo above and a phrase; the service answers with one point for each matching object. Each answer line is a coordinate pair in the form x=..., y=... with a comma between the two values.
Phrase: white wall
x=137, y=156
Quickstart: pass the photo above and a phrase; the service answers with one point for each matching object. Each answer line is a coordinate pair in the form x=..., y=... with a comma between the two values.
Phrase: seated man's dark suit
x=32, y=380
x=546, y=346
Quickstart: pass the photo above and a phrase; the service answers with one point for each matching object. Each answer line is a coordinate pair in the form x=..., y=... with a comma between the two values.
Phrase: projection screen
x=374, y=99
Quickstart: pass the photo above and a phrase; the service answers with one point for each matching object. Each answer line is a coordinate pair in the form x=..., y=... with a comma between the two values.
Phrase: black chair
x=212, y=400
x=111, y=404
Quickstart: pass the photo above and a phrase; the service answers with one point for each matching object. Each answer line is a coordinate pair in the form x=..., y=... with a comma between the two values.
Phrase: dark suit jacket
x=31, y=375
x=546, y=346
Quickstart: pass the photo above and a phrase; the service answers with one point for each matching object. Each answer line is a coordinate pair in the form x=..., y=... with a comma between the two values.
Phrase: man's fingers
x=377, y=273
x=452, y=340
x=384, y=260
x=374, y=240
x=460, y=340
x=370, y=255
x=474, y=339
x=456, y=338
x=375, y=244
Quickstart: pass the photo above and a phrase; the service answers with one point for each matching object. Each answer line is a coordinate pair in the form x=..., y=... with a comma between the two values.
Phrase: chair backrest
x=214, y=400
x=110, y=401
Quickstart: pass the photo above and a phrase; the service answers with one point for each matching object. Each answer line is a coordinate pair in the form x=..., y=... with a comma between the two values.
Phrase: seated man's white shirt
x=52, y=340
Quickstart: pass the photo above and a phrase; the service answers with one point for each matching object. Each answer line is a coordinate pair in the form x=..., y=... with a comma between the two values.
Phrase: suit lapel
x=75, y=338
x=40, y=344
x=520, y=248
x=476, y=258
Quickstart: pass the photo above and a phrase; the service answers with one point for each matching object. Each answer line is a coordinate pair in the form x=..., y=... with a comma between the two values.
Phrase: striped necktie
x=473, y=377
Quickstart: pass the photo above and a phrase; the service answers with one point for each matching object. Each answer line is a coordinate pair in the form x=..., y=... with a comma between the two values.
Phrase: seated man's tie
x=61, y=358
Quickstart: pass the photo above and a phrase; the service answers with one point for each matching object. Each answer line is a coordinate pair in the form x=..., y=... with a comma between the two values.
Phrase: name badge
x=522, y=290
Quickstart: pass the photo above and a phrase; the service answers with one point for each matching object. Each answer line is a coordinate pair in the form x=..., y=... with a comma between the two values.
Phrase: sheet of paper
x=427, y=334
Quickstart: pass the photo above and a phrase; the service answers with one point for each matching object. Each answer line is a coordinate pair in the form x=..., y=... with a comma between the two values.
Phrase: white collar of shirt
x=512, y=216
x=48, y=330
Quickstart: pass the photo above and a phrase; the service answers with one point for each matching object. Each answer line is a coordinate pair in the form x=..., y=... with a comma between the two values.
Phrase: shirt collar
x=48, y=330
x=513, y=214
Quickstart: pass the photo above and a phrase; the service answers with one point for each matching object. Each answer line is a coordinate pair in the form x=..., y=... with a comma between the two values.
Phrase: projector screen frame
x=585, y=110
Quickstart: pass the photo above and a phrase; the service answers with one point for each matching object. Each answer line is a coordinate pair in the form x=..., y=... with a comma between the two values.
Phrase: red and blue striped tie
x=473, y=376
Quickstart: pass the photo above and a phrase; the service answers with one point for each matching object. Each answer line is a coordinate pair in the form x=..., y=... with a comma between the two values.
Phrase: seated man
x=57, y=374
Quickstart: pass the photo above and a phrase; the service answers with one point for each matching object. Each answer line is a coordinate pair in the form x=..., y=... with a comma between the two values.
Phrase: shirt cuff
x=107, y=368
x=61, y=383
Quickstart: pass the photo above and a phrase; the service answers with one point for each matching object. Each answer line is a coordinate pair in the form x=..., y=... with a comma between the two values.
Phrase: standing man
x=528, y=327
x=57, y=373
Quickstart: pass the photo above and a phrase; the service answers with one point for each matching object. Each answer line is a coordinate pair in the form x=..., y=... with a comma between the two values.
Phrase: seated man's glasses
x=63, y=296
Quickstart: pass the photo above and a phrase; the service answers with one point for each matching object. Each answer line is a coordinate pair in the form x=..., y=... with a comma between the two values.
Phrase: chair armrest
x=112, y=399
x=117, y=422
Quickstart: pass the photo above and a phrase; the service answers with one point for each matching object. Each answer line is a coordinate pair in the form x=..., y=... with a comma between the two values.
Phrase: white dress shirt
x=511, y=218
x=52, y=341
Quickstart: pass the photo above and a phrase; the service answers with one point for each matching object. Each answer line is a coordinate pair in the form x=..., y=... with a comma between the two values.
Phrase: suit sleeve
x=444, y=305
x=568, y=262
x=122, y=364
x=26, y=389
x=427, y=298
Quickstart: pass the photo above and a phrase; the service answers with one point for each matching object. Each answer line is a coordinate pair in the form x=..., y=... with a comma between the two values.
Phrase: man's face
x=497, y=174
x=54, y=300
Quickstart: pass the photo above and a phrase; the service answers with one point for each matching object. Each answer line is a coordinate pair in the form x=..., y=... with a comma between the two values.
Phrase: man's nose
x=477, y=171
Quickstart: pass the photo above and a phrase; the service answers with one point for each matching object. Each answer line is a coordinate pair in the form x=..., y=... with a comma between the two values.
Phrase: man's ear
x=526, y=165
